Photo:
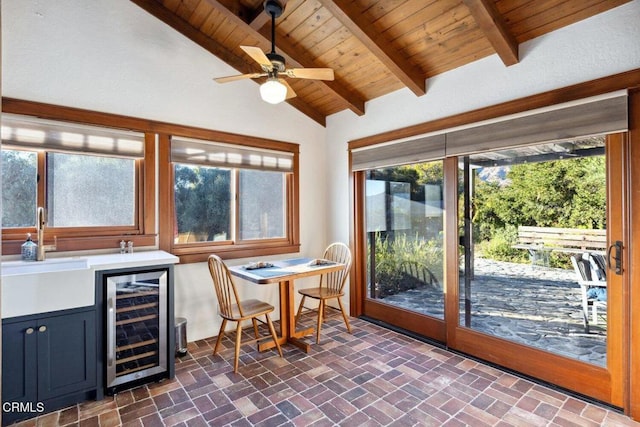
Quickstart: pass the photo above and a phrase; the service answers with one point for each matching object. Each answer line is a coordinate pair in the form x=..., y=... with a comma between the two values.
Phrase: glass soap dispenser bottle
x=29, y=249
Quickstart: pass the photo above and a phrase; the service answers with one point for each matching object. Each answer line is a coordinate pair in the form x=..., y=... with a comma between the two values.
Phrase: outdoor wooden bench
x=540, y=241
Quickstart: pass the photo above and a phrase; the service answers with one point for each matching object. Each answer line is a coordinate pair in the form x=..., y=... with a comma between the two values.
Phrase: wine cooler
x=137, y=333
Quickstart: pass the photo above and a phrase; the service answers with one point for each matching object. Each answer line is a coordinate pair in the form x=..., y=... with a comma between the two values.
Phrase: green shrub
x=393, y=255
x=500, y=246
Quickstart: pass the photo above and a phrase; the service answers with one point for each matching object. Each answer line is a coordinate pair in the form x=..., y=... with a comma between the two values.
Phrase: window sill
x=70, y=244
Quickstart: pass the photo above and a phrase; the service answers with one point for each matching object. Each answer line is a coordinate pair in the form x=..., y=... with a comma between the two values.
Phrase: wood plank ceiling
x=374, y=46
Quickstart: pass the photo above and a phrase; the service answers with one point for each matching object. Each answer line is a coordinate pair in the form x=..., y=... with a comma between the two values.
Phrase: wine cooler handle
x=111, y=331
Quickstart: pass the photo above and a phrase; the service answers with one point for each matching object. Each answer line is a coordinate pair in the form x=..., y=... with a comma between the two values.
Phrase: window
x=203, y=203
x=262, y=205
x=90, y=191
x=19, y=188
x=237, y=196
x=404, y=224
x=231, y=199
x=90, y=180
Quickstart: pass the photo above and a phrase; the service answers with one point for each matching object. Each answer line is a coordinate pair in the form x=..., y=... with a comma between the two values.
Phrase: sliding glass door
x=534, y=245
x=542, y=272
x=503, y=255
x=404, y=215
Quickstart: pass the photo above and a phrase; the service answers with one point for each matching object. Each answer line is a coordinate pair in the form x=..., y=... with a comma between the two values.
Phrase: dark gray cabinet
x=48, y=362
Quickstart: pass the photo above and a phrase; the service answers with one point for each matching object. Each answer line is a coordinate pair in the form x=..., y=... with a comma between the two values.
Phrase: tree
x=563, y=193
x=203, y=200
x=19, y=185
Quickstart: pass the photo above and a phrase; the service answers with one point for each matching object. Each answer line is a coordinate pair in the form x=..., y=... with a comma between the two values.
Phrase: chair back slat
x=225, y=288
x=337, y=252
x=599, y=265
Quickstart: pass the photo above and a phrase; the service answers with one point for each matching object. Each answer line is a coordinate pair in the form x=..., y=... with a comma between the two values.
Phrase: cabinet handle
x=29, y=331
x=42, y=328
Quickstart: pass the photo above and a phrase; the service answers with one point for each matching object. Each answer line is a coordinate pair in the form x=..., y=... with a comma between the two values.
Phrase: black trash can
x=181, y=336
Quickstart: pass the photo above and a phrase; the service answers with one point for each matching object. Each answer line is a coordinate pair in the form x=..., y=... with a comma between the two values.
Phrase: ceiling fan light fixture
x=273, y=92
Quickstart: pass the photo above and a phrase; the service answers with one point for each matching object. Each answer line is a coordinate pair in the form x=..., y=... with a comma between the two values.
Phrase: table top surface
x=284, y=270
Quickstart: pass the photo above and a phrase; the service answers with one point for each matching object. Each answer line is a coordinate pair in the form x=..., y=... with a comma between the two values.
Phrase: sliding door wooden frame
x=451, y=253
x=617, y=159
x=634, y=254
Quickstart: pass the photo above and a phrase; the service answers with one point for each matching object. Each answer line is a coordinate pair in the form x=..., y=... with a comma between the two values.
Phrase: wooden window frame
x=228, y=249
x=142, y=233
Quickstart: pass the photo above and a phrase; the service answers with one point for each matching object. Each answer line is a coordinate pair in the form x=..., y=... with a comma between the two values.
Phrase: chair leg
x=238, y=341
x=585, y=314
x=300, y=309
x=220, y=334
x=273, y=334
x=344, y=315
x=320, y=320
x=255, y=327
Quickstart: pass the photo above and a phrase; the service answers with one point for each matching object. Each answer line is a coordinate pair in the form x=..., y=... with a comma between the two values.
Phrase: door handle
x=111, y=331
x=617, y=257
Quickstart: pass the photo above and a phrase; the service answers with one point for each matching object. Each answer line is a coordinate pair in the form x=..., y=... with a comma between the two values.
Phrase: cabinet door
x=66, y=354
x=19, y=371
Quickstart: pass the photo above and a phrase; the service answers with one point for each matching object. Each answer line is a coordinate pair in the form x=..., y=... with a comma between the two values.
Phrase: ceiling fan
x=275, y=89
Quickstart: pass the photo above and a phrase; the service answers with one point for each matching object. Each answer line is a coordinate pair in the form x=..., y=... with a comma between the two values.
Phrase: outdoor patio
x=536, y=306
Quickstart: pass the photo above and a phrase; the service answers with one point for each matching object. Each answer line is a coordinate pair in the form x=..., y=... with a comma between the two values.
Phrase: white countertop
x=31, y=287
x=136, y=259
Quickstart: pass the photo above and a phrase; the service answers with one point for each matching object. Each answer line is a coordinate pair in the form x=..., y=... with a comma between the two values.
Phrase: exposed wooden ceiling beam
x=256, y=18
x=301, y=59
x=259, y=18
x=309, y=111
x=495, y=29
x=350, y=15
x=160, y=12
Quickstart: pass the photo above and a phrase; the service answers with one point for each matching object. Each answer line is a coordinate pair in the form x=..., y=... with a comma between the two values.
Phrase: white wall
x=112, y=56
x=600, y=46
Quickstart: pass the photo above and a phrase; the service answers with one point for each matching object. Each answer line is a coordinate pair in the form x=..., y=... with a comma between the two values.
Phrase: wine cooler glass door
x=136, y=326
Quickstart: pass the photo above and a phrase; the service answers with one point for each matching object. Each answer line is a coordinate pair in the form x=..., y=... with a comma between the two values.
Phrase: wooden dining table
x=285, y=272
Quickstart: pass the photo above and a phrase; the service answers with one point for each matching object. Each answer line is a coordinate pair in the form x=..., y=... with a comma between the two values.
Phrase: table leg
x=291, y=321
x=284, y=319
x=288, y=332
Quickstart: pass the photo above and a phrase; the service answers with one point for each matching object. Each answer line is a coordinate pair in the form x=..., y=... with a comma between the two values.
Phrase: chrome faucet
x=41, y=221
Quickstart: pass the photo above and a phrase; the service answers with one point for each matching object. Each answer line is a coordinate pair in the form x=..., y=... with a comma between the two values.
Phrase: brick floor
x=373, y=377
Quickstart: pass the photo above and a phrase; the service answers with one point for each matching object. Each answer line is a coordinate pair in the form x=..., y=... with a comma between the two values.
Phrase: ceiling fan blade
x=310, y=73
x=257, y=55
x=238, y=77
x=290, y=92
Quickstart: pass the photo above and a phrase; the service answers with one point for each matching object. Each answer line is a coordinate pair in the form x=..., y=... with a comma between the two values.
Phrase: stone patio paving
x=540, y=307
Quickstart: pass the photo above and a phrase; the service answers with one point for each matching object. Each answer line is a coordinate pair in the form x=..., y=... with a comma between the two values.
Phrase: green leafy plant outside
x=396, y=258
x=562, y=193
